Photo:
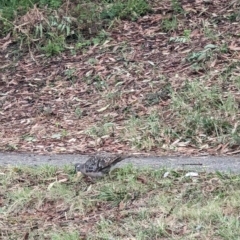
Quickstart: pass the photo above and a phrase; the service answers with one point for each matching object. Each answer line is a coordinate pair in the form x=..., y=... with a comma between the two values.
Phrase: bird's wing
x=101, y=163
x=109, y=161
x=97, y=166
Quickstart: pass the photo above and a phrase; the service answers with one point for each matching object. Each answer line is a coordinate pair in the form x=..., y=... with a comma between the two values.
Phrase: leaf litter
x=49, y=105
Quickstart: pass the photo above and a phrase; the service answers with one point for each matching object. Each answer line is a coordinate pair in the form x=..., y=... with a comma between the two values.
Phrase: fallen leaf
x=51, y=185
x=103, y=108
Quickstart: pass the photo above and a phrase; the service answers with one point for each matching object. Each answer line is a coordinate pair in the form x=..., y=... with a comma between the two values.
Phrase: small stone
x=191, y=174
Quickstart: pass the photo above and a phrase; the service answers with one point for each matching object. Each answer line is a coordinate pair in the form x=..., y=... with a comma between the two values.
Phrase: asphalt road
x=206, y=163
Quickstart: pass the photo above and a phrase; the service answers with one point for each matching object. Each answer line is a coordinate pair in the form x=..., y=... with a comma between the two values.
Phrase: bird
x=99, y=165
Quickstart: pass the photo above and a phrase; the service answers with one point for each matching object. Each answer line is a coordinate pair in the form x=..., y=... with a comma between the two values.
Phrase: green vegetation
x=62, y=23
x=51, y=203
x=119, y=75
x=140, y=75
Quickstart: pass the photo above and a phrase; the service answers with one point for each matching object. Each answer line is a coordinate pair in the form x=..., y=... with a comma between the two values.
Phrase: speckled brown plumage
x=99, y=165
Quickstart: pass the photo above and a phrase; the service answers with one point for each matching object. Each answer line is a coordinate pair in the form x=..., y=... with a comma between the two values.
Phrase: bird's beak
x=79, y=174
x=78, y=168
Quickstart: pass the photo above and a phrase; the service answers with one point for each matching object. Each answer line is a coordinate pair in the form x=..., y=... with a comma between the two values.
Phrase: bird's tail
x=119, y=158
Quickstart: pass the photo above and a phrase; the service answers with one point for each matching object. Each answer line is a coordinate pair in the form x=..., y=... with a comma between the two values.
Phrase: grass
x=81, y=24
x=52, y=203
x=123, y=73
